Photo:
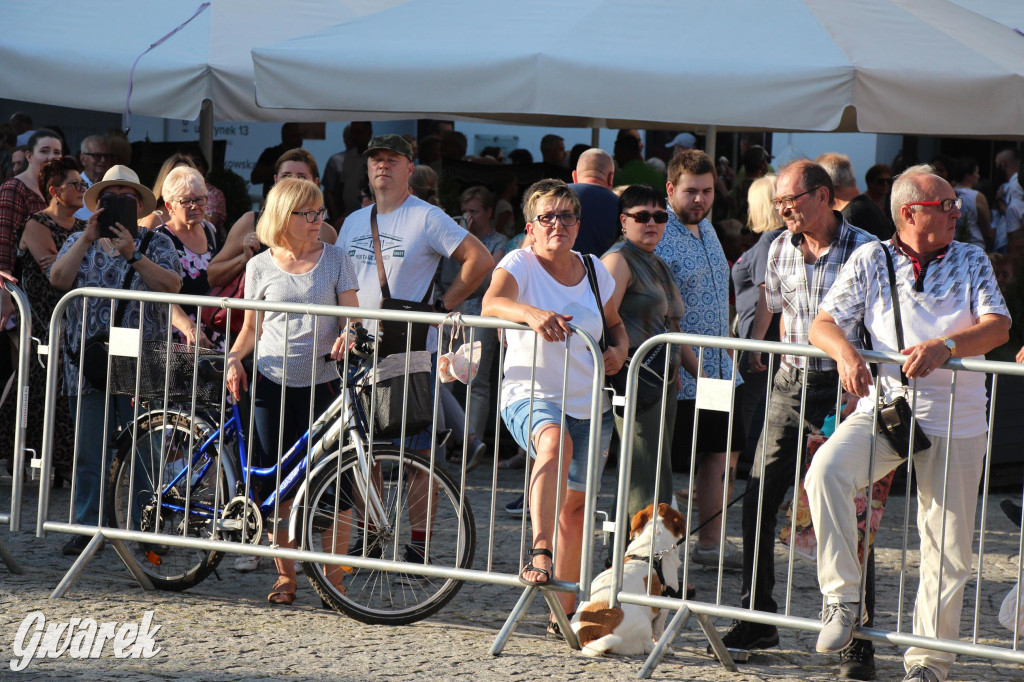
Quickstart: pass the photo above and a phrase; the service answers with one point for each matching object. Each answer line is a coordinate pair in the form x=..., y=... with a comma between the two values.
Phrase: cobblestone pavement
x=224, y=629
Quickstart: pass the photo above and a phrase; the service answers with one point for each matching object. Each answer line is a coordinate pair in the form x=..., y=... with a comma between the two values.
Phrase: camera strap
x=894, y=292
x=126, y=284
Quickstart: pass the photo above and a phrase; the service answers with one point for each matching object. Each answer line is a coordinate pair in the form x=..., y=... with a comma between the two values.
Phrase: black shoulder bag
x=97, y=348
x=650, y=380
x=895, y=416
x=393, y=335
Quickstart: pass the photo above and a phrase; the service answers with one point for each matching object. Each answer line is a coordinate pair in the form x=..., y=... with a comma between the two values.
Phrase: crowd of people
x=617, y=246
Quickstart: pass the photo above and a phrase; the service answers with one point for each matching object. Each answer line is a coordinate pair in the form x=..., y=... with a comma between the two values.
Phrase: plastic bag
x=460, y=364
x=1006, y=612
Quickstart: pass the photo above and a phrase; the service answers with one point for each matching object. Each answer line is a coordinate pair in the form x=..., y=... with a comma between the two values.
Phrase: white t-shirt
x=959, y=288
x=541, y=290
x=413, y=239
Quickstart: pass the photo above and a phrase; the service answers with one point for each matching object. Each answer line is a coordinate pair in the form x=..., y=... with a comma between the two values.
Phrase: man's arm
x=263, y=171
x=991, y=331
x=829, y=337
x=476, y=263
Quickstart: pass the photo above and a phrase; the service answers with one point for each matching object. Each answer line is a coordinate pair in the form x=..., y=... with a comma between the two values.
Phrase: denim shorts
x=517, y=419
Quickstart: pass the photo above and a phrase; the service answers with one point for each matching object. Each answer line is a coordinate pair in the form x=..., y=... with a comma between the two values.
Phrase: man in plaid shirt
x=802, y=265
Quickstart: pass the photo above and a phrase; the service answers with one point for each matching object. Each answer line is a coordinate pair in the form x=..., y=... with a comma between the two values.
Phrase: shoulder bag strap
x=588, y=264
x=895, y=307
x=385, y=290
x=119, y=312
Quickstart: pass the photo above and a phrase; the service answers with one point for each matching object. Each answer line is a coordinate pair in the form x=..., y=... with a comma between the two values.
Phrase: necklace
x=572, y=273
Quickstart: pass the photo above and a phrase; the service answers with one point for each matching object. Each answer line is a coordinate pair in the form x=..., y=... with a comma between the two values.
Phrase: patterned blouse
x=702, y=275
x=42, y=297
x=100, y=269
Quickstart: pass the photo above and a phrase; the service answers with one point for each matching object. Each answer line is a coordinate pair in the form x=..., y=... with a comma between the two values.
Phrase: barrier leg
x=76, y=568
x=8, y=559
x=562, y=619
x=715, y=640
x=126, y=556
x=513, y=620
x=671, y=630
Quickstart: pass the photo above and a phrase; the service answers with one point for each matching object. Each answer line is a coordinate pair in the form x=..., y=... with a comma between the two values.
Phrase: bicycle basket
x=161, y=367
x=390, y=390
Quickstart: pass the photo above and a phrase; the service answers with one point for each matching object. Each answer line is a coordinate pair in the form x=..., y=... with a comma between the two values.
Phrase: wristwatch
x=950, y=344
x=440, y=307
x=135, y=258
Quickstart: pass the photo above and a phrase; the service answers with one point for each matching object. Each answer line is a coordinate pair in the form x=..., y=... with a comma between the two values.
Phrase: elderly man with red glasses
x=950, y=307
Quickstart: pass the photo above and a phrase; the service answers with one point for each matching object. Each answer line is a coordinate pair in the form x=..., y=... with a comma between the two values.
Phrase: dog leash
x=655, y=561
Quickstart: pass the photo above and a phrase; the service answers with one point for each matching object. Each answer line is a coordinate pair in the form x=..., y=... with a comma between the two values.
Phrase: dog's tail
x=600, y=646
x=594, y=625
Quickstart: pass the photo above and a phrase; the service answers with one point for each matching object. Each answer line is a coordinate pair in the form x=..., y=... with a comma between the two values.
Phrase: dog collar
x=666, y=591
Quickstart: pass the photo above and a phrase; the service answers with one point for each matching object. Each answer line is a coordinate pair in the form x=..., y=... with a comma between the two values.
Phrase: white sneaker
x=247, y=563
x=708, y=556
x=838, y=621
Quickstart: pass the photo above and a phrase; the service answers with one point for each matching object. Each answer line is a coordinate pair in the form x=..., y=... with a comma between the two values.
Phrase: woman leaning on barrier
x=297, y=268
x=86, y=260
x=649, y=303
x=545, y=286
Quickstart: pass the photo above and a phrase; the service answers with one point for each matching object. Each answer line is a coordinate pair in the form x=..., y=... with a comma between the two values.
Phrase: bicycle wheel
x=168, y=567
x=375, y=596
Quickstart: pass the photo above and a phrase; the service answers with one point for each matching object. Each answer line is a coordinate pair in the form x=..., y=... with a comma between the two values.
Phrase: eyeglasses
x=790, y=202
x=660, y=217
x=946, y=205
x=312, y=216
x=98, y=156
x=192, y=201
x=77, y=184
x=548, y=219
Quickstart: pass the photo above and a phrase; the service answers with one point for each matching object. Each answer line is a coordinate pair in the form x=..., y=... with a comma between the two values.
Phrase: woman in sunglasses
x=649, y=304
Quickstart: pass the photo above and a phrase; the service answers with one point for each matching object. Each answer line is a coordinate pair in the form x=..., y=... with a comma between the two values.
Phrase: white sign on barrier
x=124, y=342
x=714, y=394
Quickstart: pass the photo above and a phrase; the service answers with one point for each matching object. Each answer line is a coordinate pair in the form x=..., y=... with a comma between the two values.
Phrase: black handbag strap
x=588, y=264
x=119, y=310
x=385, y=290
x=895, y=307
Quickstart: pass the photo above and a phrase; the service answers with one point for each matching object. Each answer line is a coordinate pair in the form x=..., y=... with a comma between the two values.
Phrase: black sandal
x=536, y=551
x=555, y=632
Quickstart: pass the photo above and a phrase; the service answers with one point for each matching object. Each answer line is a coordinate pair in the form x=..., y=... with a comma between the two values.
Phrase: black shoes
x=745, y=635
x=857, y=661
x=77, y=545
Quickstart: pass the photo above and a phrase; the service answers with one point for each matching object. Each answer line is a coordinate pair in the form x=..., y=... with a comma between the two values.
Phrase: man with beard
x=693, y=253
x=803, y=263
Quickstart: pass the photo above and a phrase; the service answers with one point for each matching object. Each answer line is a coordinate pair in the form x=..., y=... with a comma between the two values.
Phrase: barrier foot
x=562, y=619
x=513, y=620
x=671, y=630
x=717, y=645
x=76, y=568
x=8, y=559
x=126, y=557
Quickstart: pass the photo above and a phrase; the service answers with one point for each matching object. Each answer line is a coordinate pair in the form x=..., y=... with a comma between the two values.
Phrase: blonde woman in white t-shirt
x=545, y=286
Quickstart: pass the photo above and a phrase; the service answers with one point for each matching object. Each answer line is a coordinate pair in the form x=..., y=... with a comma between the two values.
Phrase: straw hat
x=126, y=177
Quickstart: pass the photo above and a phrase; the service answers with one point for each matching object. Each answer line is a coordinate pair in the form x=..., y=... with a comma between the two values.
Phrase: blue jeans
x=517, y=419
x=90, y=467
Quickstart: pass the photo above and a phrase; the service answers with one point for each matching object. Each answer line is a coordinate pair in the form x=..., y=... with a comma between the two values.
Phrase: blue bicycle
x=176, y=473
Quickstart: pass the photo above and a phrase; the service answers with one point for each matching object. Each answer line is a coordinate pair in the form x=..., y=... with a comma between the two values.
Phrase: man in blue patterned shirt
x=692, y=251
x=803, y=263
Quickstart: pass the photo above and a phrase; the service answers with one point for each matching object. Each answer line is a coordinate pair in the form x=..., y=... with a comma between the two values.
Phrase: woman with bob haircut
x=297, y=267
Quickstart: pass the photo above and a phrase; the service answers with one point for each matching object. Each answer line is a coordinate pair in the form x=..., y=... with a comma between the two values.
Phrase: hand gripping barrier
x=895, y=549
x=178, y=486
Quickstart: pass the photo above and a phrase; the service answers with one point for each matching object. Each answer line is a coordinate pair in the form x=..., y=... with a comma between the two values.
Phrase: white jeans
x=840, y=468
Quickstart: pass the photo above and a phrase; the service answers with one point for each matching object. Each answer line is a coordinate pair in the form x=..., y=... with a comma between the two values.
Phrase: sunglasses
x=660, y=217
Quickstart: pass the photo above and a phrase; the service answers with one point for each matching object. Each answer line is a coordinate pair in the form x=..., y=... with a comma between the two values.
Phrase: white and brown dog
x=630, y=628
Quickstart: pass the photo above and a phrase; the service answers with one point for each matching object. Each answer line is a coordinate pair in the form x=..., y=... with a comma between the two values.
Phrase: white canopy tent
x=901, y=66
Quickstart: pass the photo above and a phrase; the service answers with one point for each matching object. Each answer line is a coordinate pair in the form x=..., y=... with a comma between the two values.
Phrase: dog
x=630, y=628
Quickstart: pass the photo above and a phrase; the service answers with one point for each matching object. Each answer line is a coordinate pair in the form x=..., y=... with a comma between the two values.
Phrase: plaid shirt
x=17, y=203
x=788, y=291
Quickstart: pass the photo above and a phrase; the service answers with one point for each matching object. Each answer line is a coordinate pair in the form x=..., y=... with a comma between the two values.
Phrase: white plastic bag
x=1006, y=618
x=460, y=364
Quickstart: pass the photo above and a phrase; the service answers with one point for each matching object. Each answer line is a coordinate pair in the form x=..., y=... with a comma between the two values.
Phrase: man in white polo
x=950, y=306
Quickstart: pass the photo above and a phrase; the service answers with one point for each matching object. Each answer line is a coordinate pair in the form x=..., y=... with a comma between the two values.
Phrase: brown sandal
x=282, y=594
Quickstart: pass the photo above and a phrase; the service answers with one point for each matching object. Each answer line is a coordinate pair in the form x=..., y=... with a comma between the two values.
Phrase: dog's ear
x=640, y=520
x=674, y=521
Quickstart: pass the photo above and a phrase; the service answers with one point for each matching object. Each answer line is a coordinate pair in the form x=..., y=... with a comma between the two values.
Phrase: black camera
x=118, y=209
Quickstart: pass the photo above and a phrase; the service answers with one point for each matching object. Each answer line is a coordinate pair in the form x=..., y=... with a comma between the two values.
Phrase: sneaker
x=476, y=453
x=247, y=563
x=745, y=635
x=708, y=556
x=77, y=545
x=921, y=673
x=515, y=508
x=413, y=555
x=838, y=621
x=857, y=661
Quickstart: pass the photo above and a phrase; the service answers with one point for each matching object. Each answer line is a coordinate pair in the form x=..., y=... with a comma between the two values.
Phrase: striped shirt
x=788, y=290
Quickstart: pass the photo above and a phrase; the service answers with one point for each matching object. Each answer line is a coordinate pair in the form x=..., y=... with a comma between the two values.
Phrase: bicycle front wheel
x=336, y=523
x=162, y=449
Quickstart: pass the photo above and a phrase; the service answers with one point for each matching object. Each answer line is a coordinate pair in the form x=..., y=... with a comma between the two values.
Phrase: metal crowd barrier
x=887, y=628
x=20, y=398
x=148, y=543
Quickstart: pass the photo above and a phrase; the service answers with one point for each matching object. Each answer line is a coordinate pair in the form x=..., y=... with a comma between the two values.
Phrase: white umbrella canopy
x=80, y=54
x=901, y=66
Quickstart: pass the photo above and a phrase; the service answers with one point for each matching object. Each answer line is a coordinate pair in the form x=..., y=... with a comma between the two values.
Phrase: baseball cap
x=683, y=140
x=391, y=142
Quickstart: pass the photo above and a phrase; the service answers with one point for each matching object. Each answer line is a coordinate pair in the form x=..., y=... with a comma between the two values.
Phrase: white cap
x=683, y=140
